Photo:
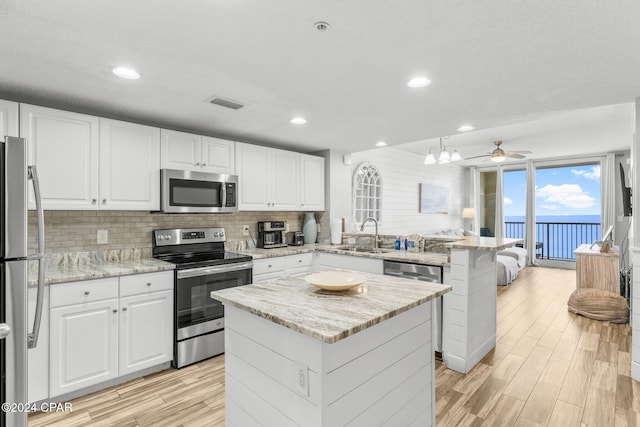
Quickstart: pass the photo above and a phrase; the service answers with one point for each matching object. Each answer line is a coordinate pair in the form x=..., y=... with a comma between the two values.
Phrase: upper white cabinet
x=129, y=172
x=187, y=151
x=88, y=163
x=64, y=146
x=311, y=183
x=271, y=179
x=8, y=119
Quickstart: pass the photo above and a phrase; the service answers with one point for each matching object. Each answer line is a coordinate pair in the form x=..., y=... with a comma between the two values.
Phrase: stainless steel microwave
x=197, y=192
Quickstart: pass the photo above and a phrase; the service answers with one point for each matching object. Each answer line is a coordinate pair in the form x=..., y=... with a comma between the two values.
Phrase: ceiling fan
x=499, y=155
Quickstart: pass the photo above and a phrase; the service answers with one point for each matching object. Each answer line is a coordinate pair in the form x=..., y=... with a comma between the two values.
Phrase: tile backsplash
x=76, y=231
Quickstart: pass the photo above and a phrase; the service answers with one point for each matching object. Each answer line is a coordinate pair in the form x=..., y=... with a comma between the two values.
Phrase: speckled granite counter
x=71, y=267
x=483, y=243
x=330, y=316
x=427, y=258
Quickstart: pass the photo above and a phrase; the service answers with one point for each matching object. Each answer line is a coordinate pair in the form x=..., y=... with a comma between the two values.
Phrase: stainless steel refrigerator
x=15, y=339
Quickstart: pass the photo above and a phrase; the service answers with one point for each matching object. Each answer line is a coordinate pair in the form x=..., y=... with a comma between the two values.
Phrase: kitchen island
x=299, y=355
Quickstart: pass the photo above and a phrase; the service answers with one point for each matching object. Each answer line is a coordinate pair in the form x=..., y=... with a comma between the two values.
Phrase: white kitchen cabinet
x=146, y=321
x=187, y=151
x=65, y=148
x=84, y=335
x=38, y=358
x=268, y=178
x=282, y=266
x=129, y=166
x=253, y=166
x=88, y=163
x=272, y=179
x=106, y=328
x=9, y=125
x=311, y=183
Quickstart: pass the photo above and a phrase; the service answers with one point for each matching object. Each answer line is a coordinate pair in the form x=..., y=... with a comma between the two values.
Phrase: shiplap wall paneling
x=402, y=172
x=383, y=375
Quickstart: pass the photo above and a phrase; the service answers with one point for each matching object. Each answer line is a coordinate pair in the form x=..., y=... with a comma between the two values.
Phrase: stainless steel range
x=202, y=266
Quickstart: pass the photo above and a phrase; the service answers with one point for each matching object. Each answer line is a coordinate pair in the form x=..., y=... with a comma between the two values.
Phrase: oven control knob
x=160, y=237
x=167, y=236
x=222, y=234
x=216, y=234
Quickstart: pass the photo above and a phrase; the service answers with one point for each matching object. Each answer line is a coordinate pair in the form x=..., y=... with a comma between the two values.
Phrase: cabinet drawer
x=85, y=291
x=269, y=265
x=300, y=260
x=146, y=283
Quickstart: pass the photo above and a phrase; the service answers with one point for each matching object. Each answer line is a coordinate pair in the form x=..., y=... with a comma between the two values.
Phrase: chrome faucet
x=376, y=239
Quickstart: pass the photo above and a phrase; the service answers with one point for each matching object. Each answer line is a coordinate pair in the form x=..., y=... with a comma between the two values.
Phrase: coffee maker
x=271, y=234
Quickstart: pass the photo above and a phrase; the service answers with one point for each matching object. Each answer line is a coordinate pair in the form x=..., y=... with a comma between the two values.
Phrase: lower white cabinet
x=146, y=331
x=282, y=266
x=84, y=345
x=106, y=328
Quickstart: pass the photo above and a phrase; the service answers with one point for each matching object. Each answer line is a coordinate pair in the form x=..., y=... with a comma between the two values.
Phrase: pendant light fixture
x=444, y=157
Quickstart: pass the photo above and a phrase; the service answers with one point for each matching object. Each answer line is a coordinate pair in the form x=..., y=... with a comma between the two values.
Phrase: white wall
x=402, y=172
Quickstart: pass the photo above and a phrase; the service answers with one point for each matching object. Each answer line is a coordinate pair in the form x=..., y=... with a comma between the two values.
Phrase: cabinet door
x=8, y=119
x=129, y=166
x=84, y=345
x=284, y=173
x=180, y=150
x=64, y=147
x=253, y=167
x=311, y=183
x=38, y=358
x=146, y=331
x=217, y=155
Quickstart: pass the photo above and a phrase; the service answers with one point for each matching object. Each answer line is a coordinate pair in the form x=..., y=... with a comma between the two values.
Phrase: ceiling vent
x=227, y=103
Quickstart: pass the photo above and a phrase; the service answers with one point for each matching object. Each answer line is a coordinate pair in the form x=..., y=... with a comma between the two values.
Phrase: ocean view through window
x=567, y=208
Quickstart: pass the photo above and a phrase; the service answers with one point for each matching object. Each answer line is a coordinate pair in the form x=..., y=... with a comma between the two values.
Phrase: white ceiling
x=492, y=63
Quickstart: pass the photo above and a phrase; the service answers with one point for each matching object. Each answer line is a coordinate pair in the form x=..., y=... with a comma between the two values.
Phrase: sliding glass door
x=563, y=211
x=568, y=206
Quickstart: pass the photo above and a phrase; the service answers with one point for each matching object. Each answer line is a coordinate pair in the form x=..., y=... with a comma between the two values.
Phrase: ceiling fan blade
x=514, y=155
x=519, y=152
x=477, y=157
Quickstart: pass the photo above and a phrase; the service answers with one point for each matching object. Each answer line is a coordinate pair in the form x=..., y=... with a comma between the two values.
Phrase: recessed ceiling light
x=419, y=82
x=381, y=144
x=465, y=128
x=126, y=73
x=298, y=120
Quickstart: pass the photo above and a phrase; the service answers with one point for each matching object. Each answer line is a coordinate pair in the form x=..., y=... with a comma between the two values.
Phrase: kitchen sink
x=364, y=249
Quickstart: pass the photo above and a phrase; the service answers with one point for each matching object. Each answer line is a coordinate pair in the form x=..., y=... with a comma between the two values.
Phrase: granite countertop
x=71, y=267
x=330, y=316
x=482, y=243
x=426, y=258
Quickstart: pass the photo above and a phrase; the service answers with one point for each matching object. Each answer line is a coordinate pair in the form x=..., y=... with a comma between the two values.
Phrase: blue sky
x=572, y=190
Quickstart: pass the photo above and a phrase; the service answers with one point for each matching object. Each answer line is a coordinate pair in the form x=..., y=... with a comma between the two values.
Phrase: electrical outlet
x=302, y=378
x=103, y=237
x=245, y=230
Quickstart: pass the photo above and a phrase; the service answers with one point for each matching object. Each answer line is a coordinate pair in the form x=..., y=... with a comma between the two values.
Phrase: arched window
x=367, y=193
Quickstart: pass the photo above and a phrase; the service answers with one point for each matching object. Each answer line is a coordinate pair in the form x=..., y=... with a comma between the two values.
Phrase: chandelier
x=444, y=157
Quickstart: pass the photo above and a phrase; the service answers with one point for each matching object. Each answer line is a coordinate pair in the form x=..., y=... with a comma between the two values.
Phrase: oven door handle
x=203, y=271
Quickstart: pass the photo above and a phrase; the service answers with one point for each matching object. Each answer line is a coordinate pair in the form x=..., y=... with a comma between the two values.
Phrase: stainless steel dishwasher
x=425, y=273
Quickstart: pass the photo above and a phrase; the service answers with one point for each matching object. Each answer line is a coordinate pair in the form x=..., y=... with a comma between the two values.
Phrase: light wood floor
x=549, y=367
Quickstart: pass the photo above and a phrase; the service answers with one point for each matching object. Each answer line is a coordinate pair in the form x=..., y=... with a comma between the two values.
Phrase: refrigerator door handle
x=32, y=338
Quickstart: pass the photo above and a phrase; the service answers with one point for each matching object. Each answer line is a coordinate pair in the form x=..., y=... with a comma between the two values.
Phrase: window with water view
x=567, y=208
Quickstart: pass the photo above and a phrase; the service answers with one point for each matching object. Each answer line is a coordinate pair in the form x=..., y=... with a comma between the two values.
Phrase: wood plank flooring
x=549, y=368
